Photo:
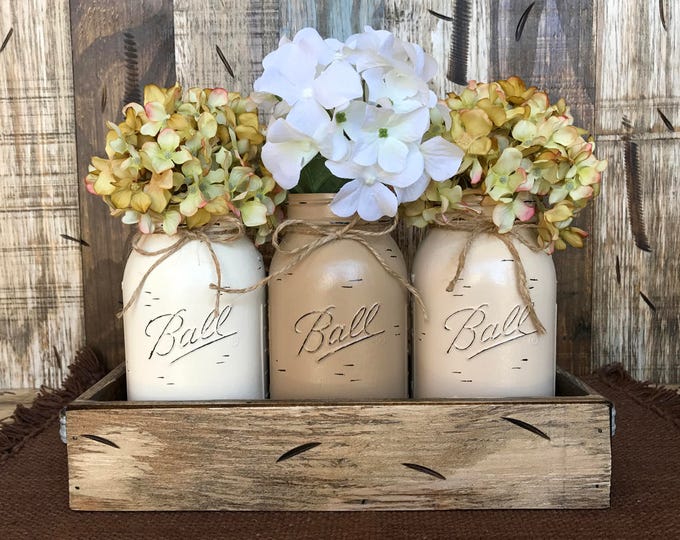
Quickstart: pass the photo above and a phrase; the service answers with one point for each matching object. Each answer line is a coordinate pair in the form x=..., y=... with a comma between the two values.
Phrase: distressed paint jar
x=177, y=347
x=479, y=340
x=337, y=319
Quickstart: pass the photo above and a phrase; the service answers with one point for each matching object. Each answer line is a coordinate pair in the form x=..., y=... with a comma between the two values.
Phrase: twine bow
x=476, y=225
x=328, y=233
x=229, y=229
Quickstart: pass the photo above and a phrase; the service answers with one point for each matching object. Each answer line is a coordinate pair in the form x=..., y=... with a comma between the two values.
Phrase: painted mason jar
x=337, y=319
x=479, y=339
x=180, y=345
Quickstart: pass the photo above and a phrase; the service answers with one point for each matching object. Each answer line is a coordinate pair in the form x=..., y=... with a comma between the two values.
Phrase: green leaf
x=316, y=178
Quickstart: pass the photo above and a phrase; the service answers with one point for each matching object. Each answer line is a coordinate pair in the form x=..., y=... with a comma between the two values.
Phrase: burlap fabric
x=645, y=495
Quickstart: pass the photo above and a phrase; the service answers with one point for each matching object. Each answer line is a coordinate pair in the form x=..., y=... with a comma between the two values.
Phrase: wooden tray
x=382, y=455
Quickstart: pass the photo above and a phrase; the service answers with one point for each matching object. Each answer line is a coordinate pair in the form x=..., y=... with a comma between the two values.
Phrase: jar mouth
x=317, y=207
x=310, y=198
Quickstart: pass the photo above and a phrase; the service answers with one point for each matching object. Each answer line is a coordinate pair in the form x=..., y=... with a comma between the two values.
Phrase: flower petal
x=415, y=190
x=253, y=213
x=311, y=42
x=582, y=192
x=442, y=158
x=355, y=118
x=171, y=221
x=392, y=154
x=168, y=140
x=366, y=153
x=181, y=156
x=503, y=217
x=274, y=82
x=146, y=225
x=509, y=161
x=192, y=202
x=218, y=97
x=377, y=201
x=411, y=173
x=207, y=125
x=410, y=127
x=524, y=131
x=155, y=111
x=308, y=117
x=337, y=85
x=334, y=145
x=523, y=211
x=286, y=161
x=130, y=217
x=346, y=201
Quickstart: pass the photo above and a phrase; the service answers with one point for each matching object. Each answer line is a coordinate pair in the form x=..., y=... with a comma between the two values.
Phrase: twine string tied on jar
x=477, y=225
x=325, y=234
x=227, y=230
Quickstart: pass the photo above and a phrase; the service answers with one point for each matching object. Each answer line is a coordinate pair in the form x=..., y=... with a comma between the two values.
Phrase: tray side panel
x=345, y=457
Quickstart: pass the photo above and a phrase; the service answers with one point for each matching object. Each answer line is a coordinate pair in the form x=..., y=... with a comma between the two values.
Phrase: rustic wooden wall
x=636, y=292
x=608, y=58
x=41, y=293
x=118, y=47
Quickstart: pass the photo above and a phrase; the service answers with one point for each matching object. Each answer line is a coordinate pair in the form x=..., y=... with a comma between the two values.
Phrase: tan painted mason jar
x=479, y=340
x=337, y=319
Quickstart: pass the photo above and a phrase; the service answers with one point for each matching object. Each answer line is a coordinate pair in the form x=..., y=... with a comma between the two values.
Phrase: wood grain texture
x=638, y=66
x=118, y=47
x=244, y=32
x=41, y=295
x=555, y=53
x=542, y=453
x=636, y=295
x=642, y=334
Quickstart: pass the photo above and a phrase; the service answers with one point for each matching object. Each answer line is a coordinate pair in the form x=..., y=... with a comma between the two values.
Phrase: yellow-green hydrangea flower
x=177, y=161
x=523, y=157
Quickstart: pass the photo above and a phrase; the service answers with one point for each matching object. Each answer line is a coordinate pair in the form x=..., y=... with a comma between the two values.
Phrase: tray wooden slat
x=397, y=455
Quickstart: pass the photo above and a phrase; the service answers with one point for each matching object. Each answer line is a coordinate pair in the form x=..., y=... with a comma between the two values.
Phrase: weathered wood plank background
x=608, y=58
x=41, y=293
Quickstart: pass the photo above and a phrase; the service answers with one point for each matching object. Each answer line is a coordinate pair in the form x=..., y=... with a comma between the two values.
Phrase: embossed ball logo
x=324, y=335
x=475, y=332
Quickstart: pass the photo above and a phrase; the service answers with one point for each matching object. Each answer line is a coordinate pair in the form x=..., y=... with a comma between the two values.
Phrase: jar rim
x=310, y=198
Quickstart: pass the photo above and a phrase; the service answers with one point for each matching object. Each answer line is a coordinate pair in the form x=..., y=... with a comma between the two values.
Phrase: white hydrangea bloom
x=364, y=105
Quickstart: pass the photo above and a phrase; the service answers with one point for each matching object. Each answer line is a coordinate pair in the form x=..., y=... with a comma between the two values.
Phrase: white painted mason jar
x=478, y=340
x=176, y=347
